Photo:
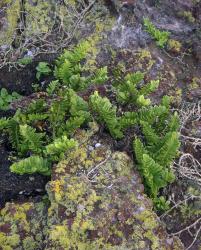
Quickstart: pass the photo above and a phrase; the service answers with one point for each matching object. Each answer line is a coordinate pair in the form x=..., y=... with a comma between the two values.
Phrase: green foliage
x=161, y=37
x=156, y=154
x=73, y=123
x=128, y=119
x=129, y=91
x=42, y=69
x=106, y=113
x=30, y=165
x=71, y=70
x=6, y=98
x=25, y=60
x=3, y=123
x=31, y=141
x=57, y=150
x=14, y=133
x=100, y=76
x=53, y=87
x=45, y=128
x=161, y=203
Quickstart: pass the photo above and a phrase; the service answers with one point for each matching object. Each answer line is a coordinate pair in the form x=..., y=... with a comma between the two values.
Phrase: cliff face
x=95, y=197
x=97, y=201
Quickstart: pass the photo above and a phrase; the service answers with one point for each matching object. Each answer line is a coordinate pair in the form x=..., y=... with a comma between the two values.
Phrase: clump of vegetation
x=129, y=91
x=174, y=46
x=156, y=152
x=6, y=98
x=42, y=69
x=42, y=133
x=161, y=37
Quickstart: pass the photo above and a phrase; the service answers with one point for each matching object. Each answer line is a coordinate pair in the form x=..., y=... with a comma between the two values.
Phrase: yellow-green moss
x=174, y=45
x=12, y=17
x=8, y=242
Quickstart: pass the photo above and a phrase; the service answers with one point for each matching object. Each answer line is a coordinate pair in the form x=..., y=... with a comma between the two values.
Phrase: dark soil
x=12, y=186
x=18, y=187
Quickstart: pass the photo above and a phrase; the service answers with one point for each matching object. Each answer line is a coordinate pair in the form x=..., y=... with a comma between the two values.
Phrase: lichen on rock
x=97, y=201
x=23, y=226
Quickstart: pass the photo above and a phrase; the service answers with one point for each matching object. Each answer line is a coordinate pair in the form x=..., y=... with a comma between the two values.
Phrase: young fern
x=161, y=37
x=74, y=123
x=129, y=91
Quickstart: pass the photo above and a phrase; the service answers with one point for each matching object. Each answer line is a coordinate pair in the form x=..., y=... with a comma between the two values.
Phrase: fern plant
x=129, y=91
x=71, y=70
x=68, y=66
x=106, y=113
x=161, y=37
x=156, y=154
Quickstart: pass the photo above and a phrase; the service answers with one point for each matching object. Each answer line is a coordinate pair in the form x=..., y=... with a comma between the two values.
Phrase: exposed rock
x=23, y=226
x=97, y=202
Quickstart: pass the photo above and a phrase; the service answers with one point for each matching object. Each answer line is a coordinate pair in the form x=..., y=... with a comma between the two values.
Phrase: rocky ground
x=108, y=198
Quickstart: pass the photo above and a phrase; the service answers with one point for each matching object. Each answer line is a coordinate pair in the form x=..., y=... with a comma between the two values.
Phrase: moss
x=22, y=226
x=12, y=15
x=8, y=242
x=174, y=46
x=29, y=243
x=188, y=15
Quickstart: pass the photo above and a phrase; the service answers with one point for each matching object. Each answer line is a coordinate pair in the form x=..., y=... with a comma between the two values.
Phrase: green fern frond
x=36, y=106
x=166, y=101
x=168, y=151
x=4, y=123
x=64, y=72
x=151, y=137
x=153, y=175
x=59, y=147
x=141, y=101
x=31, y=140
x=80, y=52
x=57, y=115
x=74, y=123
x=53, y=87
x=14, y=133
x=149, y=88
x=101, y=76
x=135, y=78
x=173, y=124
x=31, y=165
x=36, y=117
x=139, y=150
x=106, y=113
x=151, y=114
x=128, y=119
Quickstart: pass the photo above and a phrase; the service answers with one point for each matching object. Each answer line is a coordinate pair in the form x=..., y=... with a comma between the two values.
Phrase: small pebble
x=97, y=145
x=91, y=148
